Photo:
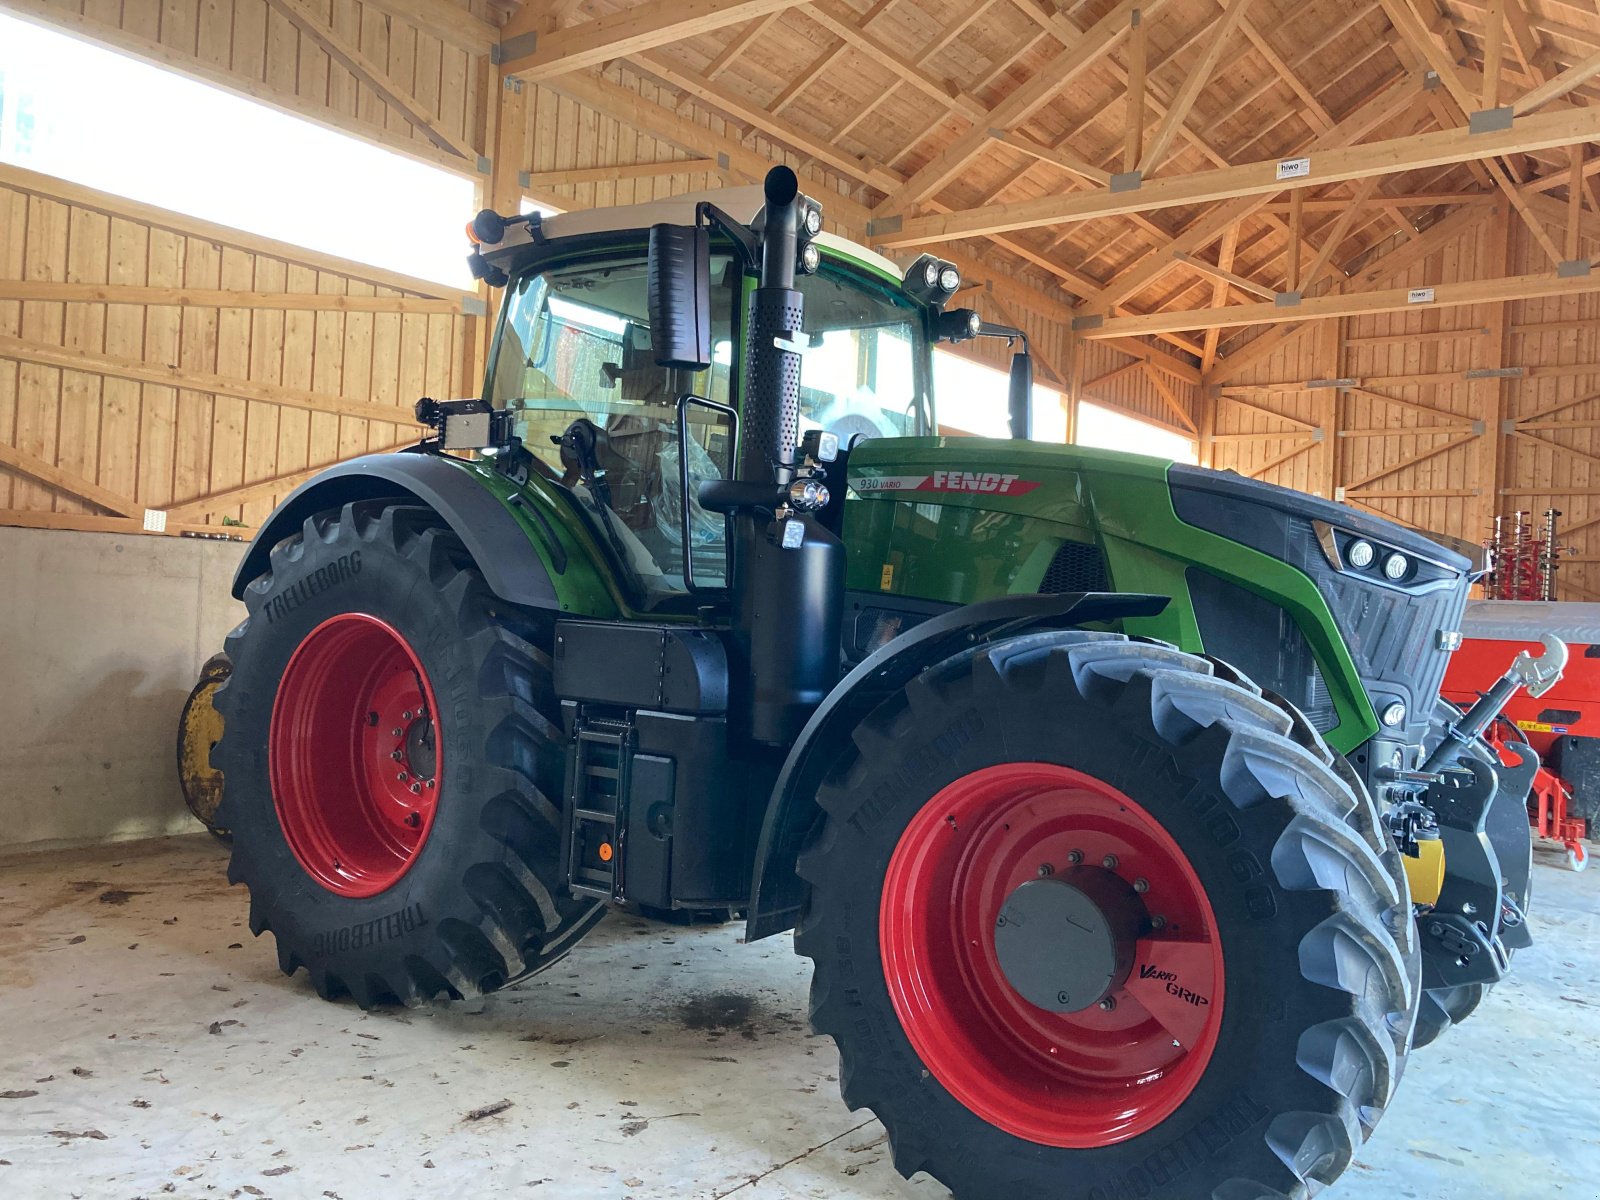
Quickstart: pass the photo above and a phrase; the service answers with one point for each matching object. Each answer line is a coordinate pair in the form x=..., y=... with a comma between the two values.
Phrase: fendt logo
x=986, y=481
x=990, y=483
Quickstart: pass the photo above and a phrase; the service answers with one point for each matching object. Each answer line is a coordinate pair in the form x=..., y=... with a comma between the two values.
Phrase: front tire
x=393, y=765
x=1248, y=1060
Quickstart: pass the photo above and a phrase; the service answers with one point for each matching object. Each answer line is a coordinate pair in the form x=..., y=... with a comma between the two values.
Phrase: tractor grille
x=1077, y=567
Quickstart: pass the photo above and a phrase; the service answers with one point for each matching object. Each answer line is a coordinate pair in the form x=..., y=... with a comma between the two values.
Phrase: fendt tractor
x=1111, y=798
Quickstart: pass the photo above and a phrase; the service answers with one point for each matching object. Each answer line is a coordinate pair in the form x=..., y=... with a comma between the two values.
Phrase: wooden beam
x=530, y=53
x=740, y=43
x=1306, y=443
x=229, y=498
x=1494, y=41
x=1519, y=202
x=1320, y=308
x=1362, y=161
x=1226, y=276
x=1059, y=158
x=1384, y=105
x=444, y=20
x=167, y=375
x=1578, y=74
x=1291, y=274
x=67, y=481
x=1170, y=399
x=1574, y=202
x=1314, y=112
x=755, y=114
x=1138, y=61
x=620, y=171
x=1341, y=227
x=1411, y=460
x=1193, y=81
x=1021, y=103
x=662, y=123
x=1225, y=260
x=850, y=27
x=93, y=523
x=112, y=293
x=375, y=76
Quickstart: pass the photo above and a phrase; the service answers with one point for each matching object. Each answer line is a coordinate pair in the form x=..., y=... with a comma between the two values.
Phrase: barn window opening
x=1108, y=429
x=101, y=119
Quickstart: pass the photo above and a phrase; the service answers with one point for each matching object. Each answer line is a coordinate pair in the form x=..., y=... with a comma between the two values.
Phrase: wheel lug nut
x=430, y=783
x=1109, y=1003
x=396, y=755
x=1158, y=922
x=1141, y=885
x=414, y=820
x=1109, y=862
x=416, y=789
x=1075, y=857
x=396, y=731
x=1046, y=870
x=406, y=716
x=403, y=777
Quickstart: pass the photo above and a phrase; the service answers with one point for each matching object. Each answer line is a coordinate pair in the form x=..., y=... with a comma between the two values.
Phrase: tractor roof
x=741, y=203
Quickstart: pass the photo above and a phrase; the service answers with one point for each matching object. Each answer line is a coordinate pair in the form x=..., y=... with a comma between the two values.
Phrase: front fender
x=777, y=893
x=497, y=543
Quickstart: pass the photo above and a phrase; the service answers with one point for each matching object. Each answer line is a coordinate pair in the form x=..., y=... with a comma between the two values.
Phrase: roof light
x=1396, y=566
x=949, y=279
x=1361, y=554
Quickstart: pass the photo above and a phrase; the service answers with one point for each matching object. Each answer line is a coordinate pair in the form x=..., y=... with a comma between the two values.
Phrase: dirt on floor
x=149, y=1047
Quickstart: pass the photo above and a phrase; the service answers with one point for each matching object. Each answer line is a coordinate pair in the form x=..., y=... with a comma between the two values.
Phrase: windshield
x=859, y=367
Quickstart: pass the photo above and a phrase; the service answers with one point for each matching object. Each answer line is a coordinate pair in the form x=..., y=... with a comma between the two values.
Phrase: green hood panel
x=960, y=520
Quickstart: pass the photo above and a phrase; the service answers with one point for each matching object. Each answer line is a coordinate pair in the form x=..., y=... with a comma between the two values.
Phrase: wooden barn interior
x=1349, y=247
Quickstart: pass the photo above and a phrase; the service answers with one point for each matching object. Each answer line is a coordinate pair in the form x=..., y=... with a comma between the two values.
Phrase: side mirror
x=1021, y=395
x=679, y=294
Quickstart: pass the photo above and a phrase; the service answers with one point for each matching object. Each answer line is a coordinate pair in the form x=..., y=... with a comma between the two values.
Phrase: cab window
x=575, y=346
x=858, y=370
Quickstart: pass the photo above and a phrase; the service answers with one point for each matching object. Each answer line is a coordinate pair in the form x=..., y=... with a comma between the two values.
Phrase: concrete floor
x=149, y=1047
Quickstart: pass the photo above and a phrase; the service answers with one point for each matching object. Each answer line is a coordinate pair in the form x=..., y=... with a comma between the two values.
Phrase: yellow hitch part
x=1425, y=873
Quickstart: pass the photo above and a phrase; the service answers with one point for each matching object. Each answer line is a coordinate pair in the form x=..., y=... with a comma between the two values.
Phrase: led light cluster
x=1362, y=554
x=932, y=279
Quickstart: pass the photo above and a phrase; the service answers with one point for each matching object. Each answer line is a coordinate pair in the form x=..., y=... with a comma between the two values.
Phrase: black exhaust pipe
x=789, y=573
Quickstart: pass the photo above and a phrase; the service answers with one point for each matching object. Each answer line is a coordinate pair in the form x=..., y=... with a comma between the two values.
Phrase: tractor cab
x=575, y=367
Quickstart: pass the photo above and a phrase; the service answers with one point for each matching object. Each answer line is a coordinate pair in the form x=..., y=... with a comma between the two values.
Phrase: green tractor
x=1105, y=794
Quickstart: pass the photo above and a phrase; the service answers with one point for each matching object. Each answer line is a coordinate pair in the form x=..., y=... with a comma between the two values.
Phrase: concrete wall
x=101, y=638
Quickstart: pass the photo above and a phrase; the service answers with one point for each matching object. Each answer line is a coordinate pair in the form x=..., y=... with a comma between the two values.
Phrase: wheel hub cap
x=1066, y=943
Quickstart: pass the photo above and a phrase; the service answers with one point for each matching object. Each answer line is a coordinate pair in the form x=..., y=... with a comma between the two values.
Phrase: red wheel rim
x=1079, y=1079
x=354, y=755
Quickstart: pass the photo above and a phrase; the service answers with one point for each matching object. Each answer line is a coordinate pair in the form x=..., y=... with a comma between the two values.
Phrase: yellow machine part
x=1425, y=873
x=199, y=729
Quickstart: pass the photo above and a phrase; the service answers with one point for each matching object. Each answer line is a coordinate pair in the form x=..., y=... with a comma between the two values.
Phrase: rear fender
x=777, y=893
x=511, y=567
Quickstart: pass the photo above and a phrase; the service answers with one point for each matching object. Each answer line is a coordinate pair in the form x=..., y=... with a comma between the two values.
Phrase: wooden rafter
x=375, y=76
x=53, y=476
x=1155, y=152
x=171, y=376
x=1360, y=161
x=1020, y=104
x=111, y=293
x=1318, y=308
x=532, y=53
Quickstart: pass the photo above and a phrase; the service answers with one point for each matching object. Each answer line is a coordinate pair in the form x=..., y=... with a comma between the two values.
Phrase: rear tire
x=1320, y=963
x=459, y=896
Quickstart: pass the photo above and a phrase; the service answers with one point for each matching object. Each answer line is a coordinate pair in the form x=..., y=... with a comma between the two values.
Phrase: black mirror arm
x=743, y=240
